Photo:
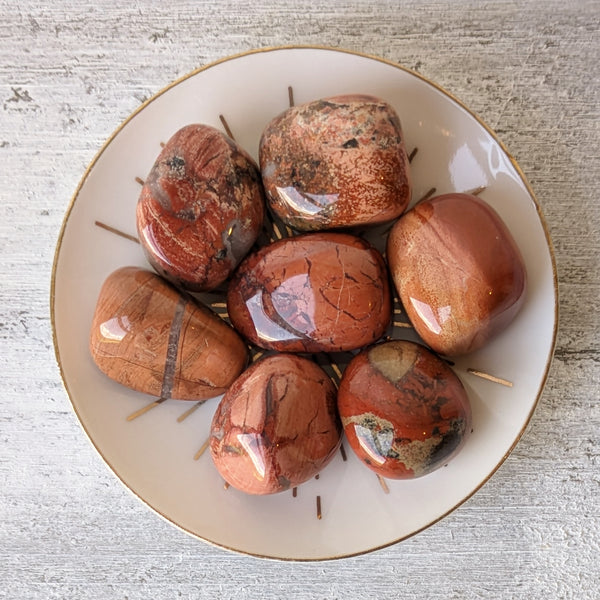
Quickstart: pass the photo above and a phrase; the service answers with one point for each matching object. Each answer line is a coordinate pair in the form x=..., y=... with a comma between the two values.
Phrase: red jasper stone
x=458, y=271
x=405, y=413
x=149, y=337
x=201, y=208
x=336, y=162
x=277, y=426
x=319, y=292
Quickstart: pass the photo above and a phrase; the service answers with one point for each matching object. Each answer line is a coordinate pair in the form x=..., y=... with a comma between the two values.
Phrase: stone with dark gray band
x=149, y=337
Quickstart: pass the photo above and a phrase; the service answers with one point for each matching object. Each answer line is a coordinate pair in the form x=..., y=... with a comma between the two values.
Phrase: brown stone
x=311, y=293
x=149, y=337
x=201, y=208
x=277, y=426
x=458, y=271
x=336, y=162
x=405, y=413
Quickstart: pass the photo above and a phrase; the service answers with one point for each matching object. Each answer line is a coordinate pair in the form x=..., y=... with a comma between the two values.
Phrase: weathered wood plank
x=70, y=73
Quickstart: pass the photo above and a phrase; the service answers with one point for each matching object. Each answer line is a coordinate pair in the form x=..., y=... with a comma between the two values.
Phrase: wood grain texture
x=70, y=73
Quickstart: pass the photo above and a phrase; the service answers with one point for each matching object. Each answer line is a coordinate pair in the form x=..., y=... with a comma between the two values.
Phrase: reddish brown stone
x=149, y=337
x=337, y=162
x=457, y=270
x=201, y=208
x=405, y=413
x=311, y=293
x=277, y=426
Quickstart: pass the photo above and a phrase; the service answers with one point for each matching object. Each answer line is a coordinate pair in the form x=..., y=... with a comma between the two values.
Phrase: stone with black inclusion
x=404, y=411
x=201, y=208
x=336, y=162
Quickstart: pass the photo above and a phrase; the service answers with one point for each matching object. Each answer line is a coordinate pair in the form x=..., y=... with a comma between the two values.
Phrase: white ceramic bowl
x=153, y=455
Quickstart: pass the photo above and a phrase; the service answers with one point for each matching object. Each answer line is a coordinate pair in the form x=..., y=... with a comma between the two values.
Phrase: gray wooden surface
x=70, y=73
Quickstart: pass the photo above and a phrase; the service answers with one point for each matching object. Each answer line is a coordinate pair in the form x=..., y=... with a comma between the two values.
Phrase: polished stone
x=277, y=426
x=311, y=293
x=458, y=271
x=337, y=162
x=149, y=337
x=201, y=208
x=405, y=412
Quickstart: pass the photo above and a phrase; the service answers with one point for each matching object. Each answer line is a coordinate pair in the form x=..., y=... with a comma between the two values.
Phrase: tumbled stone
x=337, y=162
x=404, y=411
x=201, y=208
x=458, y=271
x=311, y=293
x=277, y=426
x=149, y=337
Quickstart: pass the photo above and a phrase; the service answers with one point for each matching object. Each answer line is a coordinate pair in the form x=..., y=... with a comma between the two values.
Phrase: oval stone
x=277, y=426
x=149, y=337
x=337, y=162
x=201, y=208
x=318, y=292
x=458, y=271
x=404, y=411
